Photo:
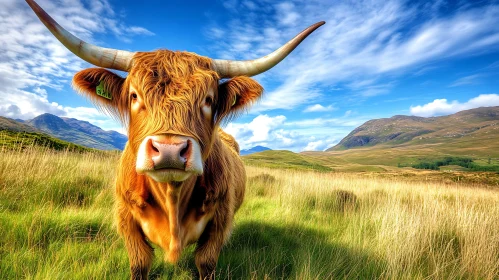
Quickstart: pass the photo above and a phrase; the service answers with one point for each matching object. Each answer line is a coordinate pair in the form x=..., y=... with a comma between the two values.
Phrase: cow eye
x=208, y=101
x=134, y=96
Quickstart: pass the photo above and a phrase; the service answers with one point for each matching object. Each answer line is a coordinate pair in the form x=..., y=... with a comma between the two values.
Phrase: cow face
x=171, y=104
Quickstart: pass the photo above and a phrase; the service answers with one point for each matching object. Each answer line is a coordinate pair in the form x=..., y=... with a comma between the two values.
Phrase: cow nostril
x=184, y=153
x=155, y=149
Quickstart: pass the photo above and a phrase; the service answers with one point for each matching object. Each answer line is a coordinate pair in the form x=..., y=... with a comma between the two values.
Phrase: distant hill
x=117, y=139
x=15, y=134
x=255, y=149
x=418, y=130
x=11, y=139
x=79, y=132
x=402, y=141
x=15, y=125
x=284, y=159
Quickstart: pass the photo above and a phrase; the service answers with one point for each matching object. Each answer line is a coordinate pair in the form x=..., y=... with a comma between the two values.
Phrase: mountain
x=402, y=141
x=15, y=125
x=255, y=149
x=15, y=134
x=79, y=132
x=117, y=139
x=397, y=130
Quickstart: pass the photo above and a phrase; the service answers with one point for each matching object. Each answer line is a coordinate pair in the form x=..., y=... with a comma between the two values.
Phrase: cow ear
x=236, y=95
x=104, y=89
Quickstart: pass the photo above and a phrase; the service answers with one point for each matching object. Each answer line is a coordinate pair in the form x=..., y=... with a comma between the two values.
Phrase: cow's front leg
x=210, y=244
x=207, y=252
x=140, y=253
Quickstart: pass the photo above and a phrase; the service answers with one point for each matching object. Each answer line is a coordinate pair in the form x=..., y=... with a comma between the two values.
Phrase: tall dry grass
x=56, y=223
x=411, y=230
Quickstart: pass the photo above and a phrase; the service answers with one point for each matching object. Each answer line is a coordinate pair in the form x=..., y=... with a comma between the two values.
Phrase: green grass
x=56, y=222
x=410, y=153
x=21, y=140
x=284, y=160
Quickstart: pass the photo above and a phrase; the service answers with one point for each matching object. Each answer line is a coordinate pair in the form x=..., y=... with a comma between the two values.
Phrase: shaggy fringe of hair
x=170, y=82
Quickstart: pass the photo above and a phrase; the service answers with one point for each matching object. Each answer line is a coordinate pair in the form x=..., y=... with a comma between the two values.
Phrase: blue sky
x=372, y=59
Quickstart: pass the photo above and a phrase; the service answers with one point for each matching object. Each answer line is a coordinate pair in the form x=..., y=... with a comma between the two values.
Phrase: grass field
x=56, y=223
x=479, y=149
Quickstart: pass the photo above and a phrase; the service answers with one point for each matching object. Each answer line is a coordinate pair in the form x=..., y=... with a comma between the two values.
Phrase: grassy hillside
x=22, y=140
x=13, y=125
x=56, y=223
x=463, y=130
x=283, y=159
x=386, y=157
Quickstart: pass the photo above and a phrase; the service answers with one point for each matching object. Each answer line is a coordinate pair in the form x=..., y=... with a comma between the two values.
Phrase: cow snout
x=167, y=158
x=170, y=155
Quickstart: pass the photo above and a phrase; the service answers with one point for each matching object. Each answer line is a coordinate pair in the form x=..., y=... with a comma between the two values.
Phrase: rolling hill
x=407, y=140
x=15, y=140
x=285, y=160
x=15, y=125
x=470, y=124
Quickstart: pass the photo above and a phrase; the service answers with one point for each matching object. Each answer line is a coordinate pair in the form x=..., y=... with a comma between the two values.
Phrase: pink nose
x=170, y=155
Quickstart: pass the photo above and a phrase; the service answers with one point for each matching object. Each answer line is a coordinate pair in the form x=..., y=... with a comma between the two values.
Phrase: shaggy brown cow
x=180, y=179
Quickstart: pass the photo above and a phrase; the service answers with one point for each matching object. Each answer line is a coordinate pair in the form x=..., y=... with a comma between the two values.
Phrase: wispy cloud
x=319, y=108
x=493, y=65
x=468, y=80
x=440, y=107
x=325, y=122
x=370, y=40
x=33, y=60
x=137, y=30
x=287, y=13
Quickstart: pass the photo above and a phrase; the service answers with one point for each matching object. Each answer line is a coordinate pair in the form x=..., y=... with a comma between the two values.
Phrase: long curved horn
x=98, y=56
x=233, y=68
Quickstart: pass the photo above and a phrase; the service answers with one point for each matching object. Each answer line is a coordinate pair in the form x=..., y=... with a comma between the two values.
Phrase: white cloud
x=278, y=133
x=41, y=91
x=257, y=131
x=320, y=145
x=215, y=33
x=286, y=96
x=250, y=5
x=319, y=108
x=33, y=60
x=287, y=14
x=137, y=30
x=443, y=107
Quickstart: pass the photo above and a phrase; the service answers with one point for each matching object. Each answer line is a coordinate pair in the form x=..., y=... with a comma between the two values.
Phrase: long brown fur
x=173, y=87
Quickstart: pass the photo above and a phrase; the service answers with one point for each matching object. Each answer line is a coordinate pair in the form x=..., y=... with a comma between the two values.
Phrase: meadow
x=56, y=222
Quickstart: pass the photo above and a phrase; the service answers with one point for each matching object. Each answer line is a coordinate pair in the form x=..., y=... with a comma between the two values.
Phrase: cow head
x=170, y=102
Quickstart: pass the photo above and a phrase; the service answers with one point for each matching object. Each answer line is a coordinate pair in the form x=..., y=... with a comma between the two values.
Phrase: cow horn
x=98, y=56
x=233, y=68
